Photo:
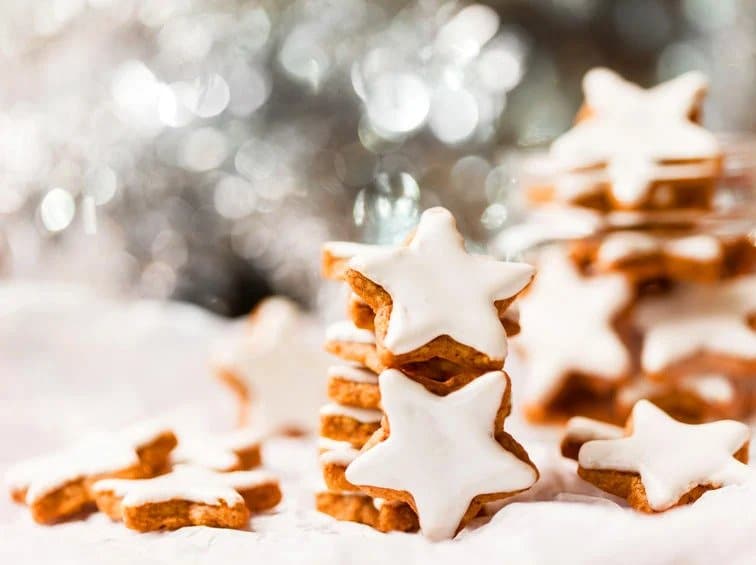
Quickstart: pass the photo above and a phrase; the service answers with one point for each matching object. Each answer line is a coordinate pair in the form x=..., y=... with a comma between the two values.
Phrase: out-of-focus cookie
x=58, y=486
x=348, y=342
x=636, y=149
x=580, y=430
x=415, y=291
x=699, y=328
x=662, y=463
x=188, y=496
x=350, y=385
x=235, y=451
x=445, y=456
x=385, y=516
x=569, y=338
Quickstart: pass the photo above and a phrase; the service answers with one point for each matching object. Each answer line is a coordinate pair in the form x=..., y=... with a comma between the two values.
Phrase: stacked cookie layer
x=660, y=302
x=413, y=437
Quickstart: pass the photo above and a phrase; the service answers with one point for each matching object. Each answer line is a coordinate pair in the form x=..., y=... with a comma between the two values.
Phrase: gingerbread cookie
x=704, y=328
x=692, y=399
x=347, y=341
x=580, y=430
x=360, y=313
x=569, y=336
x=415, y=290
x=445, y=456
x=636, y=149
x=662, y=463
x=58, y=486
x=337, y=254
x=353, y=386
x=333, y=464
x=384, y=516
x=235, y=451
x=188, y=496
x=347, y=423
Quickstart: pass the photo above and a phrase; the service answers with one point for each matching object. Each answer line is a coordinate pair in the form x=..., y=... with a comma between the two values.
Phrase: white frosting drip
x=631, y=130
x=364, y=415
x=345, y=330
x=566, y=326
x=587, y=429
x=441, y=450
x=352, y=373
x=193, y=484
x=698, y=318
x=671, y=457
x=618, y=246
x=96, y=454
x=431, y=277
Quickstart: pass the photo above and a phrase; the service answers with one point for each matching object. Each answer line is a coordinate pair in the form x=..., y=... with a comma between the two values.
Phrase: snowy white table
x=71, y=361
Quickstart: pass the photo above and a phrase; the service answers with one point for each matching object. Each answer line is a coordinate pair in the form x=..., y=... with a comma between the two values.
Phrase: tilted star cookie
x=637, y=137
x=432, y=299
x=711, y=327
x=58, y=486
x=664, y=463
x=443, y=455
x=188, y=496
x=568, y=336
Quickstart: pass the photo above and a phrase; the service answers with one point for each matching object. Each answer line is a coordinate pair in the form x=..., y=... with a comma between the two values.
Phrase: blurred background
x=202, y=150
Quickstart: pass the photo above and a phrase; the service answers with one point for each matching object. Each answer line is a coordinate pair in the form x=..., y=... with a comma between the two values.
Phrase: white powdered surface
x=70, y=362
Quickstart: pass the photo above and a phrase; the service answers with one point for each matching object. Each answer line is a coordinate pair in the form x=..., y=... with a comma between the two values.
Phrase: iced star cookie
x=58, y=486
x=663, y=463
x=580, y=430
x=337, y=254
x=646, y=256
x=384, y=516
x=636, y=149
x=416, y=291
x=235, y=451
x=445, y=456
x=188, y=496
x=351, y=385
x=347, y=423
x=569, y=336
x=700, y=328
x=277, y=349
x=348, y=342
x=692, y=399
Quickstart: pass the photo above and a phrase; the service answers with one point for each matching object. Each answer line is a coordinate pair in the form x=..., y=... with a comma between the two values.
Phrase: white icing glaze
x=441, y=450
x=587, y=429
x=217, y=453
x=326, y=443
x=96, y=454
x=341, y=456
x=348, y=249
x=698, y=318
x=430, y=278
x=352, y=373
x=566, y=326
x=378, y=503
x=671, y=457
x=364, y=415
x=194, y=484
x=345, y=330
x=274, y=351
x=631, y=130
x=622, y=245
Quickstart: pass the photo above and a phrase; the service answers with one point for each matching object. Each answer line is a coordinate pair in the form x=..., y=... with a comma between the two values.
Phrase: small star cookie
x=58, y=486
x=445, y=456
x=640, y=144
x=663, y=463
x=188, y=496
x=568, y=331
x=432, y=299
x=709, y=327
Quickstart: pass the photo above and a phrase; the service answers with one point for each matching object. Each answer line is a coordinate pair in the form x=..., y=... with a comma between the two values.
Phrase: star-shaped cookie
x=433, y=299
x=567, y=329
x=712, y=326
x=443, y=455
x=665, y=463
x=631, y=131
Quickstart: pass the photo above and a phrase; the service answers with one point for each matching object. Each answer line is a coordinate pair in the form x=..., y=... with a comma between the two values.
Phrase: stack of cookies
x=414, y=434
x=659, y=302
